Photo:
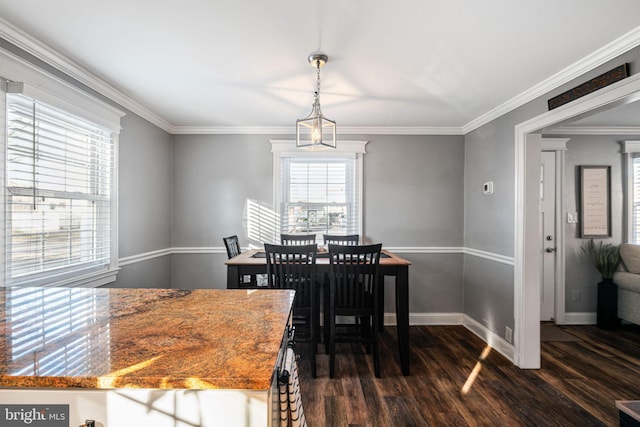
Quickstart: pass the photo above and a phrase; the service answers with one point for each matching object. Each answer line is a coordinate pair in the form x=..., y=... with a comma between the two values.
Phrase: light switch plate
x=487, y=187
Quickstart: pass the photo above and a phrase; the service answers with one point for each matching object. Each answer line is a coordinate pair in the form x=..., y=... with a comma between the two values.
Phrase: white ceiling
x=413, y=64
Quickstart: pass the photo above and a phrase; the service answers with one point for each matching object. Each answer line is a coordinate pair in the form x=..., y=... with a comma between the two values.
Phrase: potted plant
x=606, y=258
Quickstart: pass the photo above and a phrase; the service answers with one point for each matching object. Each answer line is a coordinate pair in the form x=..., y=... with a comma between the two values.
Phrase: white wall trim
x=132, y=259
x=426, y=319
x=496, y=342
x=143, y=256
x=287, y=147
x=526, y=236
x=629, y=148
x=40, y=50
x=199, y=250
x=593, y=130
x=35, y=47
x=580, y=319
x=291, y=130
x=490, y=256
x=599, y=57
x=425, y=249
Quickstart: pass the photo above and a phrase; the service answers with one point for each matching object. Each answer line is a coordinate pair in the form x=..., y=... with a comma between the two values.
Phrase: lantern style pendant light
x=316, y=132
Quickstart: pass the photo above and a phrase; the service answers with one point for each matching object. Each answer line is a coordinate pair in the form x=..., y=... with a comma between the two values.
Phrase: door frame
x=559, y=146
x=526, y=236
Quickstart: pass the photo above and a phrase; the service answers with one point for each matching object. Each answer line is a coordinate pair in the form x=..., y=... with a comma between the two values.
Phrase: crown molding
x=593, y=130
x=608, y=52
x=41, y=51
x=291, y=130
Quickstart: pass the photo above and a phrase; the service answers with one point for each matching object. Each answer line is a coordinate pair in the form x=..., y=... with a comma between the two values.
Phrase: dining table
x=253, y=261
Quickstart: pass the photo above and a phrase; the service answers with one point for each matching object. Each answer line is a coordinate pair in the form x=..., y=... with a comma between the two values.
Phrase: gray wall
x=145, y=190
x=214, y=176
x=145, y=187
x=413, y=198
x=581, y=276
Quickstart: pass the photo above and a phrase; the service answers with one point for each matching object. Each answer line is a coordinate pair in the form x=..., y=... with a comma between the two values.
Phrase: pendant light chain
x=318, y=82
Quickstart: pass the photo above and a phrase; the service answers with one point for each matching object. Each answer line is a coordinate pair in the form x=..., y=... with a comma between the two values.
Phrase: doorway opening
x=528, y=248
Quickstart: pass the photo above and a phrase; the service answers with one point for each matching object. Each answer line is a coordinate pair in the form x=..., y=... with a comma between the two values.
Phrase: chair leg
x=325, y=310
x=313, y=343
x=332, y=345
x=376, y=349
x=365, y=331
x=313, y=359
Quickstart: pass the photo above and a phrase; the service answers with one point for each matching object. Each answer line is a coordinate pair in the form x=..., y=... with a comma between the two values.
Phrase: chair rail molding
x=395, y=249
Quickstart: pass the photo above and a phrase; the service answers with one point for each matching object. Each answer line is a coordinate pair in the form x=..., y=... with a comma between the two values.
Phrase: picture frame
x=595, y=201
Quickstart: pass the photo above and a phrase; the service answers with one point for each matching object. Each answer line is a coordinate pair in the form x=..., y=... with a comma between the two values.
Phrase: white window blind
x=635, y=208
x=320, y=196
x=55, y=331
x=59, y=172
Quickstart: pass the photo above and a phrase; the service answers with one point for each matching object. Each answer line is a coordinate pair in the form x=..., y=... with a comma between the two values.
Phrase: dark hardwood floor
x=577, y=385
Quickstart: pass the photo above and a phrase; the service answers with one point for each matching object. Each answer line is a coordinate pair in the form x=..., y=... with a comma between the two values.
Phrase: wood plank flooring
x=577, y=385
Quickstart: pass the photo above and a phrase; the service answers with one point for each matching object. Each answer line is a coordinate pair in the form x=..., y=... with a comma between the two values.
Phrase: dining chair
x=232, y=245
x=294, y=267
x=353, y=294
x=331, y=239
x=297, y=239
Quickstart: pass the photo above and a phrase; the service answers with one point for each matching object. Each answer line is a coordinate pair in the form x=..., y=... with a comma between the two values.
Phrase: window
x=635, y=203
x=631, y=150
x=58, y=152
x=319, y=192
x=58, y=195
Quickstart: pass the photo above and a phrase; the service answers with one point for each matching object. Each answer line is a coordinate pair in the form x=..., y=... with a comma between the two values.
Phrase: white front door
x=548, y=234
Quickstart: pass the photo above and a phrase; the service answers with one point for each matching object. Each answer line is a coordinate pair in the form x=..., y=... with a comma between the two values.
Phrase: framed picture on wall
x=595, y=201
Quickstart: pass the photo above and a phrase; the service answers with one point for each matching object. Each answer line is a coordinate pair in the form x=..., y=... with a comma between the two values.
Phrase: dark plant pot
x=607, y=305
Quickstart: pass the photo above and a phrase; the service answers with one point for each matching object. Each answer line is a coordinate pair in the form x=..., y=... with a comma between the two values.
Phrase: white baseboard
x=426, y=319
x=588, y=318
x=496, y=342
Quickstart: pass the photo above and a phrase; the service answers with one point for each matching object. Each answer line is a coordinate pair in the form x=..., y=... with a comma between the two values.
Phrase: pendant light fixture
x=316, y=132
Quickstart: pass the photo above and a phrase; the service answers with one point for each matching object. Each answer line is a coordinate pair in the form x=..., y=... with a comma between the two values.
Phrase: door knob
x=550, y=250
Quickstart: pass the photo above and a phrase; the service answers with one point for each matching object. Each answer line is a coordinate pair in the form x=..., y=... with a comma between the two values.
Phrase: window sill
x=89, y=280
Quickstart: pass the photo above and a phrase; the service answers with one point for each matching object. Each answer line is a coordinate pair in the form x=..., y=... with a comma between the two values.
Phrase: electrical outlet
x=508, y=334
x=576, y=295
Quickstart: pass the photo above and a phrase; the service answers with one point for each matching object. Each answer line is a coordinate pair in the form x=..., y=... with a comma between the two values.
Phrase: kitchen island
x=129, y=357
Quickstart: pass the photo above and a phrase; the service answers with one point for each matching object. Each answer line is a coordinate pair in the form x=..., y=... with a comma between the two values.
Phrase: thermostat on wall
x=487, y=187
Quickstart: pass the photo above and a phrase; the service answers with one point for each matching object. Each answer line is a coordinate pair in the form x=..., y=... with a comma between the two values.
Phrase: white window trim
x=59, y=93
x=287, y=148
x=629, y=148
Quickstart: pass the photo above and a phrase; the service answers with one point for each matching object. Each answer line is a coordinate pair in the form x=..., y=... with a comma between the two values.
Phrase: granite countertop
x=141, y=338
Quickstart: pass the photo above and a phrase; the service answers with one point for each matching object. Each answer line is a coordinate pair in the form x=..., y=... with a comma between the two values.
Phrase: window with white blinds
x=635, y=204
x=58, y=195
x=319, y=195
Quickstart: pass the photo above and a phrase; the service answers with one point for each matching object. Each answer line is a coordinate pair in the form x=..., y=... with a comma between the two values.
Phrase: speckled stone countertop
x=141, y=338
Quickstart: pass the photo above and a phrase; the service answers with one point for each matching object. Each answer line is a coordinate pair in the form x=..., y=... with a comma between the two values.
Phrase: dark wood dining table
x=253, y=261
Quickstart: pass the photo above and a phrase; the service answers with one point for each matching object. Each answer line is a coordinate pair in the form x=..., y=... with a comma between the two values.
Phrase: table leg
x=381, y=303
x=402, y=316
x=233, y=276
